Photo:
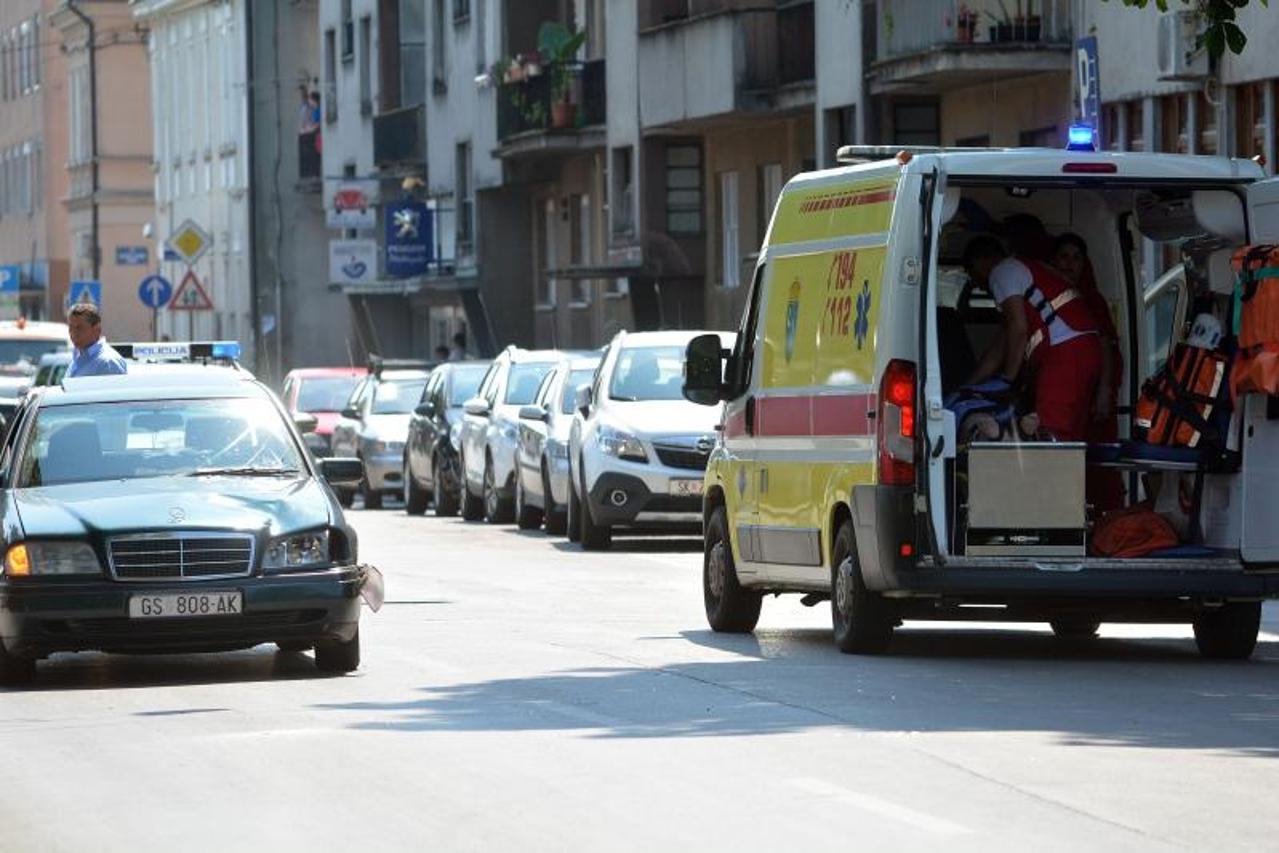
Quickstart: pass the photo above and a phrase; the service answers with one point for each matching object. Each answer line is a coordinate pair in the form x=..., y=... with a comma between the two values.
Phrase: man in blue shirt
x=93, y=356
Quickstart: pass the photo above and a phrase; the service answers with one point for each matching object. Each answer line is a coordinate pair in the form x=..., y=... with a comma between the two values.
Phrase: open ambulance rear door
x=1260, y=439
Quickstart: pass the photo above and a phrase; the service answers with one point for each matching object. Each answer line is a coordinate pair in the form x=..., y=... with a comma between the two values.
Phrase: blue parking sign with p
x=10, y=278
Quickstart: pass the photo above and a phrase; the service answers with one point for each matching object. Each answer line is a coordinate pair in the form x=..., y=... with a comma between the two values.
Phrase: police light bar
x=180, y=351
x=1081, y=137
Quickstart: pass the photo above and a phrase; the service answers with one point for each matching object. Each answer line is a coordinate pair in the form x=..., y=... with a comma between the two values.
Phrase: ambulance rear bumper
x=884, y=522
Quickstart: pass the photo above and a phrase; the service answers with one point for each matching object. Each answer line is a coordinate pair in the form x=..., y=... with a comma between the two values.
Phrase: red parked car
x=322, y=392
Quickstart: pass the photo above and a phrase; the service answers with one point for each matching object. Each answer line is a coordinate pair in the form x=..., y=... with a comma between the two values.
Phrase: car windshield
x=464, y=382
x=157, y=438
x=398, y=396
x=27, y=352
x=522, y=387
x=576, y=379
x=326, y=393
x=648, y=373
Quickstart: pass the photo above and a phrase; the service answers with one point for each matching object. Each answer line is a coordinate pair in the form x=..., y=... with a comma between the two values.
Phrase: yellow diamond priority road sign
x=190, y=241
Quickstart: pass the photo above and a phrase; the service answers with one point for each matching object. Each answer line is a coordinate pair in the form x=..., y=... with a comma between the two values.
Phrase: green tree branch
x=1220, y=30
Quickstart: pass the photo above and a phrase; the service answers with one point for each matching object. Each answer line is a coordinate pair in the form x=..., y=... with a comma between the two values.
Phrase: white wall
x=839, y=68
x=350, y=138
x=198, y=63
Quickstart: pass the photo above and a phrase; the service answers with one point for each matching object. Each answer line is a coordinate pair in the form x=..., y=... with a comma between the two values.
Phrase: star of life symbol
x=407, y=223
x=861, y=325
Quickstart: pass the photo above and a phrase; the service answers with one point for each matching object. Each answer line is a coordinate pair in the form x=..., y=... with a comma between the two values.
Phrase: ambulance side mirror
x=704, y=371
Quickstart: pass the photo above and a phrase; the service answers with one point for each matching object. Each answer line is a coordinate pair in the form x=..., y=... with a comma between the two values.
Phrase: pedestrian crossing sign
x=190, y=295
x=85, y=293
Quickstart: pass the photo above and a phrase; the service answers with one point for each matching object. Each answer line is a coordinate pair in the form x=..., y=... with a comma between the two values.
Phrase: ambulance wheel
x=729, y=608
x=1075, y=629
x=1229, y=632
x=862, y=619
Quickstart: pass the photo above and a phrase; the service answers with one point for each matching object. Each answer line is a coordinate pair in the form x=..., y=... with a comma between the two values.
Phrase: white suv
x=491, y=428
x=638, y=449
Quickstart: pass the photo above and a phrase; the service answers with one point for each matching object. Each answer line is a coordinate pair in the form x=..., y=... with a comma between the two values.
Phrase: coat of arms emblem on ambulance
x=861, y=324
x=792, y=318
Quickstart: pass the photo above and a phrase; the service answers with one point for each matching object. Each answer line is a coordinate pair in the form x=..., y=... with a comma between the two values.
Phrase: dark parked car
x=172, y=511
x=431, y=471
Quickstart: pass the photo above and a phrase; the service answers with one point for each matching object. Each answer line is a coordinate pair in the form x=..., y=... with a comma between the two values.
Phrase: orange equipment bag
x=1132, y=532
x=1177, y=403
x=1256, y=369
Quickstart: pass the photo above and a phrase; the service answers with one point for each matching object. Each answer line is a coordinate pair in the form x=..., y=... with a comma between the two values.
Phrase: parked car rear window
x=465, y=383
x=648, y=373
x=521, y=387
x=326, y=394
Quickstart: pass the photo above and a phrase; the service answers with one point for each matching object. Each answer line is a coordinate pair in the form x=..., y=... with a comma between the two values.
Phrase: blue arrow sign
x=10, y=278
x=155, y=292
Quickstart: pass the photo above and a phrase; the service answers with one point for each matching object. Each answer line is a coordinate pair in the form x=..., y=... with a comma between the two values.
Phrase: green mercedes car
x=172, y=510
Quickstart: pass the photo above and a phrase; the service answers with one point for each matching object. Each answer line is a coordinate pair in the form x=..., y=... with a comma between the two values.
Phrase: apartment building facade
x=199, y=76
x=33, y=176
x=109, y=198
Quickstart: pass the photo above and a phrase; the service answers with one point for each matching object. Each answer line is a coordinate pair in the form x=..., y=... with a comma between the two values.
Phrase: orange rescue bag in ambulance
x=1177, y=403
x=1132, y=532
x=1256, y=368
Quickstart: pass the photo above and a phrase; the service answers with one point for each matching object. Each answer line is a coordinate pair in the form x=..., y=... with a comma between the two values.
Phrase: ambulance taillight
x=896, y=420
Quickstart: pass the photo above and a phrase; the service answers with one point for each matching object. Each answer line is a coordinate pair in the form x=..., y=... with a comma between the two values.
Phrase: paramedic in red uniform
x=1047, y=323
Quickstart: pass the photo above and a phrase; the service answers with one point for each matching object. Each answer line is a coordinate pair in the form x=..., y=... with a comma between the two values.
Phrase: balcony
x=399, y=139
x=530, y=123
x=931, y=46
x=721, y=59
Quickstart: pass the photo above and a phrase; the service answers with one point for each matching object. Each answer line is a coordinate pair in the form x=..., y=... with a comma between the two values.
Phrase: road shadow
x=639, y=545
x=98, y=671
x=1146, y=693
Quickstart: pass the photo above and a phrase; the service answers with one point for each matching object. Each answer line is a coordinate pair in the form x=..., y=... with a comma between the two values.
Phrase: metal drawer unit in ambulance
x=842, y=473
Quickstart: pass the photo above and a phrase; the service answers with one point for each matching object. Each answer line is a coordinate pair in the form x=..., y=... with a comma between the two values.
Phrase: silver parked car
x=490, y=429
x=541, y=486
x=374, y=428
x=637, y=448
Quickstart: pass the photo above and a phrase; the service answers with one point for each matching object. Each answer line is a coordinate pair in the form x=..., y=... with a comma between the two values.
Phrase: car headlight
x=623, y=445
x=51, y=558
x=298, y=551
x=556, y=449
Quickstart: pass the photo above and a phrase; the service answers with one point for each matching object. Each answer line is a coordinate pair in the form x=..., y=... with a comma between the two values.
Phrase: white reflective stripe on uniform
x=1062, y=299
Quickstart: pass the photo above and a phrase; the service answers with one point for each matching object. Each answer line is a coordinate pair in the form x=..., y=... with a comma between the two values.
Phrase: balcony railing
x=527, y=105
x=913, y=26
x=399, y=137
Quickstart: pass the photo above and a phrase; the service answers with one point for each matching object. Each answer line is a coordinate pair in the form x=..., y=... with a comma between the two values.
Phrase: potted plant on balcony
x=1001, y=28
x=558, y=47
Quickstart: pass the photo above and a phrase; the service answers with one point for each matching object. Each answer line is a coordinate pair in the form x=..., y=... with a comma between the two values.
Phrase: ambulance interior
x=1160, y=258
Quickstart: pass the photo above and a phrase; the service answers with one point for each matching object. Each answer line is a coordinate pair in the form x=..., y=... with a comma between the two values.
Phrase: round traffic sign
x=155, y=291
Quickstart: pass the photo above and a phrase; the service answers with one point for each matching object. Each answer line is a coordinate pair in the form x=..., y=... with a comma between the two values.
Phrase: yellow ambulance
x=841, y=473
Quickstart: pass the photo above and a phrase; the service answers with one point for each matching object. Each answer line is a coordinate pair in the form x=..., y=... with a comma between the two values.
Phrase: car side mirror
x=351, y=412
x=477, y=406
x=704, y=371
x=582, y=399
x=305, y=422
x=340, y=471
x=425, y=410
x=532, y=413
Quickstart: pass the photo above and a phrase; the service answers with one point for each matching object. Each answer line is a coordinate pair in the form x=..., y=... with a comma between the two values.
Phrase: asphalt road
x=519, y=695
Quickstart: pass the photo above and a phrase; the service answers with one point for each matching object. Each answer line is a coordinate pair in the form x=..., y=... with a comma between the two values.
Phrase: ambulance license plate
x=185, y=605
x=686, y=488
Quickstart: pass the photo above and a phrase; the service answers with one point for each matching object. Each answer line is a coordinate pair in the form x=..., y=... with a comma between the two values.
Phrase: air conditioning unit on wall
x=1178, y=55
